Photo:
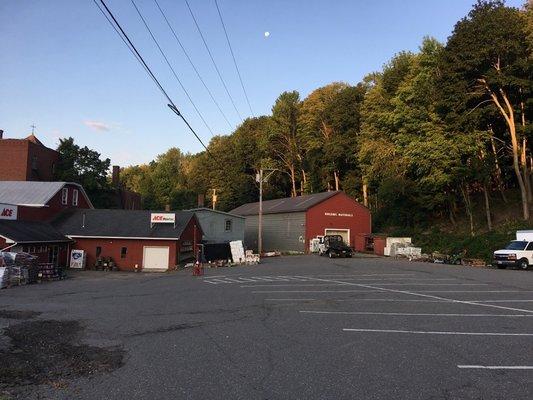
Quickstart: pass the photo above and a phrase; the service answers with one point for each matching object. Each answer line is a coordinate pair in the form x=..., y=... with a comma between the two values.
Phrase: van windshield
x=516, y=245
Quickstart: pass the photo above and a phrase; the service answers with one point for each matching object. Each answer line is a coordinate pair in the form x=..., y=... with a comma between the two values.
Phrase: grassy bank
x=482, y=245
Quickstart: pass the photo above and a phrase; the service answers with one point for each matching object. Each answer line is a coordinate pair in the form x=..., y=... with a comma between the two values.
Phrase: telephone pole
x=259, y=178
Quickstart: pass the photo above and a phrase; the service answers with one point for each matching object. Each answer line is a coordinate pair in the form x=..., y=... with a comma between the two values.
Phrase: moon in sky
x=267, y=34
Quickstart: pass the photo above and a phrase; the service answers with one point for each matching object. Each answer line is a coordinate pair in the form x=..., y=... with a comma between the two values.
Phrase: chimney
x=1, y=134
x=115, y=179
x=201, y=200
x=167, y=207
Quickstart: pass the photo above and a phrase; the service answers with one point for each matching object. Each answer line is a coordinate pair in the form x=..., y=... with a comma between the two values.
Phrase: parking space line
x=292, y=284
x=316, y=291
x=437, y=332
x=514, y=367
x=289, y=299
x=432, y=284
x=503, y=301
x=416, y=314
x=428, y=295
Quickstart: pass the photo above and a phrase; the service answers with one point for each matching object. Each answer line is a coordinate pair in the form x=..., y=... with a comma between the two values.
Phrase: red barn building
x=26, y=209
x=289, y=224
x=133, y=239
x=26, y=160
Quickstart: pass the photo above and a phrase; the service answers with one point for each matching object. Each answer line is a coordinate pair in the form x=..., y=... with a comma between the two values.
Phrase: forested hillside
x=441, y=134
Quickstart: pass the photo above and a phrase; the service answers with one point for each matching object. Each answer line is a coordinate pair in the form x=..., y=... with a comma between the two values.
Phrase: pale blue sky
x=63, y=68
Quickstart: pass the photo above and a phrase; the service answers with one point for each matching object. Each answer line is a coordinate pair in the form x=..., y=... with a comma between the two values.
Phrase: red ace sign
x=8, y=211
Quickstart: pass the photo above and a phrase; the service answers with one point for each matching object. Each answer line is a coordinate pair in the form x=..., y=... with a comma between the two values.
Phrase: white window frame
x=75, y=195
x=64, y=196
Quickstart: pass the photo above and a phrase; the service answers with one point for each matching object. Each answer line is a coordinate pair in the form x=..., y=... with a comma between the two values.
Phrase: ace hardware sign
x=8, y=211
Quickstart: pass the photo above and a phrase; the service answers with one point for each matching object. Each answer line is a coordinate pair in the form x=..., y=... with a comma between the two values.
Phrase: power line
x=233, y=56
x=171, y=68
x=212, y=59
x=192, y=64
x=116, y=26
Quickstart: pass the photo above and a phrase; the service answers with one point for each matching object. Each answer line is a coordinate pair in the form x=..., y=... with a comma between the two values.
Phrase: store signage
x=77, y=259
x=330, y=214
x=163, y=218
x=8, y=211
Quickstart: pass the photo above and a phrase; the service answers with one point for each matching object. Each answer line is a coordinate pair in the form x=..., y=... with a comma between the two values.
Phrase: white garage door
x=345, y=233
x=155, y=257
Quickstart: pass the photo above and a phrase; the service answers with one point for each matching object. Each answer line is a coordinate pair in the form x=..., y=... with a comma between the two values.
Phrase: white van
x=517, y=253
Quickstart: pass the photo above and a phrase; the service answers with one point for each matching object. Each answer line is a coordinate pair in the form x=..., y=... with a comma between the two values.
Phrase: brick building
x=26, y=160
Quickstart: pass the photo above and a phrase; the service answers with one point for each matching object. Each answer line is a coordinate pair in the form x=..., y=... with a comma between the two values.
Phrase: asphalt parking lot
x=301, y=327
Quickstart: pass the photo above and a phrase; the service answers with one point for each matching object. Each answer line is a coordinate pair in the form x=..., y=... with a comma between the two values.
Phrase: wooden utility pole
x=260, y=222
x=214, y=199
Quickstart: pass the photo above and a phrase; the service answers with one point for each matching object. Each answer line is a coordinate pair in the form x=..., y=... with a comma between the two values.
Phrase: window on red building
x=123, y=252
x=64, y=196
x=98, y=251
x=75, y=197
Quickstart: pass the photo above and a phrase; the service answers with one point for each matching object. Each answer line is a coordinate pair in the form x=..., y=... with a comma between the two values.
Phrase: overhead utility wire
x=171, y=68
x=192, y=64
x=233, y=56
x=139, y=58
x=213, y=60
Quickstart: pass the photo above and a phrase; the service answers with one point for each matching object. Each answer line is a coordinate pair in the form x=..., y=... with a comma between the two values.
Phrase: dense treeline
x=439, y=132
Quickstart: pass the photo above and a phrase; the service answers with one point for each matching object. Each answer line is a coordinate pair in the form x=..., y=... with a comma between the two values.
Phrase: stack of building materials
x=393, y=243
x=4, y=273
x=19, y=269
x=251, y=258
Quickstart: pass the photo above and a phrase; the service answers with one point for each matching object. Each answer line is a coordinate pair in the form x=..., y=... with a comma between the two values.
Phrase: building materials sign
x=8, y=211
x=332, y=214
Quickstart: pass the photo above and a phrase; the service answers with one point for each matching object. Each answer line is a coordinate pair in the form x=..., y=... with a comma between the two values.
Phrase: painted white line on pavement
x=502, y=301
x=289, y=299
x=437, y=332
x=294, y=284
x=214, y=276
x=356, y=275
x=315, y=291
x=523, y=367
x=216, y=281
x=428, y=296
x=432, y=284
x=417, y=314
x=399, y=279
x=471, y=291
x=381, y=284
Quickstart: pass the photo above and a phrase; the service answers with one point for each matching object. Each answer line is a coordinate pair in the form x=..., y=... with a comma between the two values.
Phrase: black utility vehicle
x=334, y=246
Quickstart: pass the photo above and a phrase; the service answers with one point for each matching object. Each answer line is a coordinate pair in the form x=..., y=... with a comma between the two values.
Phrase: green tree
x=284, y=139
x=485, y=64
x=84, y=166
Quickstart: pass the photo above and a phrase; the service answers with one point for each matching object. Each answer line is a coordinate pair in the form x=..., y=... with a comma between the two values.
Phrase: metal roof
x=30, y=232
x=209, y=210
x=119, y=224
x=31, y=193
x=286, y=205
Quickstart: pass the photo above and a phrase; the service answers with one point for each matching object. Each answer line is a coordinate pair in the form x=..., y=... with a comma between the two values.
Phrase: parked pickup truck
x=334, y=246
x=518, y=253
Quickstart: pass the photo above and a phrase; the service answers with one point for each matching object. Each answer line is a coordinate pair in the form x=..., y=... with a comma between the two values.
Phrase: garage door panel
x=156, y=257
x=344, y=233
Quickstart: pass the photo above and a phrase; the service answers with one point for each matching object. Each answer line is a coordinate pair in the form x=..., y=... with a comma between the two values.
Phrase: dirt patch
x=48, y=352
x=15, y=314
